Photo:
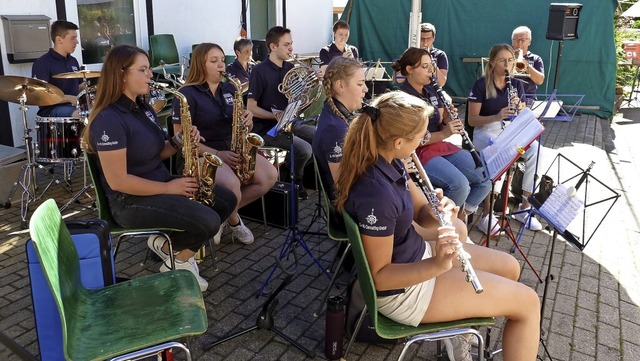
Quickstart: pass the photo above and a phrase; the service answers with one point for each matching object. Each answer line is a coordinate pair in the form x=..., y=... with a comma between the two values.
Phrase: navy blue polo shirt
x=263, y=87
x=331, y=51
x=52, y=63
x=134, y=126
x=212, y=114
x=327, y=145
x=431, y=97
x=494, y=105
x=380, y=203
x=235, y=69
x=535, y=62
x=441, y=58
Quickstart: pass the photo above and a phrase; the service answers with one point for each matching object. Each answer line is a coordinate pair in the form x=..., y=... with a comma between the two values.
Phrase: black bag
x=545, y=187
x=355, y=305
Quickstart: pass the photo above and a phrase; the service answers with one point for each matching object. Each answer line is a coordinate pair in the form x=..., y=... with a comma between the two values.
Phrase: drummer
x=59, y=60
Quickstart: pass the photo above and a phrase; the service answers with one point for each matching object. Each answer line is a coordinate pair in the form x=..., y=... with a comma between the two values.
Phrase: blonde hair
x=489, y=87
x=400, y=115
x=340, y=68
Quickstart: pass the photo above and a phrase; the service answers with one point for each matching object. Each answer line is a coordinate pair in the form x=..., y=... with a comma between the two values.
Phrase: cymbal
x=169, y=68
x=80, y=74
x=38, y=92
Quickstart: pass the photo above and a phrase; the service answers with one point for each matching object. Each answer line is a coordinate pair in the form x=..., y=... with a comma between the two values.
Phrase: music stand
x=286, y=120
x=498, y=159
x=376, y=72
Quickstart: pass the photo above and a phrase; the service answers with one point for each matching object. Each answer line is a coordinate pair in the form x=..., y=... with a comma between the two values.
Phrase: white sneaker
x=523, y=217
x=483, y=224
x=155, y=243
x=218, y=236
x=458, y=348
x=241, y=233
x=191, y=266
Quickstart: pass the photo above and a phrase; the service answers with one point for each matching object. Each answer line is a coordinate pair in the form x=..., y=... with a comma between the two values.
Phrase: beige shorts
x=409, y=307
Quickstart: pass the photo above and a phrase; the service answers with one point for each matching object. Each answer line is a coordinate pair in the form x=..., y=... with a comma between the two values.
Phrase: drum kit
x=58, y=139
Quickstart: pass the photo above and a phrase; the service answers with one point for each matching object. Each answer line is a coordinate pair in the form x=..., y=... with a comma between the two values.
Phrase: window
x=103, y=25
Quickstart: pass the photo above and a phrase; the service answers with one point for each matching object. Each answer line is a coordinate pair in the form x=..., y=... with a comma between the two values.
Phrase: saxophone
x=205, y=173
x=243, y=143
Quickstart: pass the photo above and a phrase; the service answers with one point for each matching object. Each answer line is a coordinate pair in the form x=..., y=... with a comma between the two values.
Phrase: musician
x=128, y=144
x=58, y=59
x=533, y=73
x=488, y=111
x=427, y=38
x=449, y=167
x=339, y=46
x=416, y=280
x=264, y=95
x=211, y=104
x=243, y=65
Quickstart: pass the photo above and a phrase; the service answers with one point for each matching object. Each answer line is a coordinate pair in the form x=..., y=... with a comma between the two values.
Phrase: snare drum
x=58, y=139
x=157, y=100
x=85, y=101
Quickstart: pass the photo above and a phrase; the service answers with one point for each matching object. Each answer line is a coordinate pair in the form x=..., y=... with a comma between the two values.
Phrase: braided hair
x=340, y=68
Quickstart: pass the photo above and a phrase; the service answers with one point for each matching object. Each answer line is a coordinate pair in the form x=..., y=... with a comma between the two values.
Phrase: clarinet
x=465, y=136
x=511, y=92
x=427, y=188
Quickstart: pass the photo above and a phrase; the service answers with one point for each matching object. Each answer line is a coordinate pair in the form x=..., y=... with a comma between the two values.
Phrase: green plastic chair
x=125, y=321
x=162, y=47
x=116, y=230
x=385, y=327
x=336, y=231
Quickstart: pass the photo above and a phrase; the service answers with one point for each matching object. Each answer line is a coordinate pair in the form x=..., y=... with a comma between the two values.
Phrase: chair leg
x=355, y=331
x=152, y=351
x=336, y=272
x=213, y=254
x=264, y=213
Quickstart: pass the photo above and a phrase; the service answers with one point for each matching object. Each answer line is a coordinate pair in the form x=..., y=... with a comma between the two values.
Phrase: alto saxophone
x=243, y=143
x=427, y=188
x=205, y=173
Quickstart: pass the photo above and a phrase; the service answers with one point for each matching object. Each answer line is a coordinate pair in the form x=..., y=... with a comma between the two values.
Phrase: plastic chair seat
x=389, y=329
x=119, y=319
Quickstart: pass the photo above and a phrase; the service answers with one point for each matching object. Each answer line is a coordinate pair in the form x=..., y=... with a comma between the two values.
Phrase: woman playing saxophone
x=128, y=145
x=215, y=105
x=416, y=280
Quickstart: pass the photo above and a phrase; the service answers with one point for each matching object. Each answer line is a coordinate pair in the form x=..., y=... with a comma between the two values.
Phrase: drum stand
x=27, y=177
x=85, y=187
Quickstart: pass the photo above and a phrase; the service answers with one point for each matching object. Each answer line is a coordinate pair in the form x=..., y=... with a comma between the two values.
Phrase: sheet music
x=506, y=147
x=560, y=208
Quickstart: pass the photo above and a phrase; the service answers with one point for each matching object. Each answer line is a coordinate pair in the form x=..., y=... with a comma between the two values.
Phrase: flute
x=465, y=136
x=427, y=188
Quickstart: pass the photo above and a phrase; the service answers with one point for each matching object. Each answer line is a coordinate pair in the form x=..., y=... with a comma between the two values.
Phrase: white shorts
x=409, y=307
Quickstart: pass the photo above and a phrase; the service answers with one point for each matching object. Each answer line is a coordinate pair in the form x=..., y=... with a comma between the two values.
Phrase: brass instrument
x=425, y=185
x=521, y=64
x=205, y=173
x=243, y=143
x=301, y=83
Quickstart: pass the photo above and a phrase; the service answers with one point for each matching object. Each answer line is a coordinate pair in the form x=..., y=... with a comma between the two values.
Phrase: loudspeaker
x=260, y=50
x=563, y=21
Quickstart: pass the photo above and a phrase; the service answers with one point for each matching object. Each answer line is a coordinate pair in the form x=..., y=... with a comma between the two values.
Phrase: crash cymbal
x=173, y=68
x=38, y=92
x=80, y=74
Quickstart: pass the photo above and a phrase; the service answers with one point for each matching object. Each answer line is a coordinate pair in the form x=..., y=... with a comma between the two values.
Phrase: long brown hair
x=489, y=87
x=197, y=69
x=340, y=68
x=400, y=116
x=111, y=84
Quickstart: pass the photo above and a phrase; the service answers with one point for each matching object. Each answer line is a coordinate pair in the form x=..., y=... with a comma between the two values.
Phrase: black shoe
x=302, y=193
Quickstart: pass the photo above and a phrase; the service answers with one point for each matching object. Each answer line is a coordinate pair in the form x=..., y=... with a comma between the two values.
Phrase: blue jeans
x=199, y=222
x=459, y=179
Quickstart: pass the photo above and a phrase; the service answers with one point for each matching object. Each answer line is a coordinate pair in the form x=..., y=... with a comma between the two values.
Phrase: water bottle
x=334, y=328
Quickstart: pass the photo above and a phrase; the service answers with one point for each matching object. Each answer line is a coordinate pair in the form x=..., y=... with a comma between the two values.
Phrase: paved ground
x=591, y=312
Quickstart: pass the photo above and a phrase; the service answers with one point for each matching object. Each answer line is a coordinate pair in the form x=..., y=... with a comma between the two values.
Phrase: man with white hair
x=533, y=72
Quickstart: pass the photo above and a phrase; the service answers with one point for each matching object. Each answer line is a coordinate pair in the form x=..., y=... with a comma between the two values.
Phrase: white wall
x=198, y=21
x=310, y=22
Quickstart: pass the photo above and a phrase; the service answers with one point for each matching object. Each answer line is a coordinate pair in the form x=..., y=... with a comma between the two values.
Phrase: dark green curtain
x=468, y=29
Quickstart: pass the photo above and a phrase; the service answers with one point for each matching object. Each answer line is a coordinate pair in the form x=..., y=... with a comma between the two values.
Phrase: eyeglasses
x=506, y=61
x=427, y=67
x=143, y=70
x=425, y=140
x=517, y=40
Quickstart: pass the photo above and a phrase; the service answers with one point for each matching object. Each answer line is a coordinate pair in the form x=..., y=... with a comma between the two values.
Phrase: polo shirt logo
x=371, y=220
x=228, y=98
x=105, y=140
x=336, y=152
x=434, y=101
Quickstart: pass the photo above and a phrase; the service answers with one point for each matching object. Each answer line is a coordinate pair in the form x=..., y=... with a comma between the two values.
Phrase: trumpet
x=521, y=64
x=421, y=178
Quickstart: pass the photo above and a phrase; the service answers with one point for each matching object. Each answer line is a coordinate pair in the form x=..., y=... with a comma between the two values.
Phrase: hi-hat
x=38, y=92
x=80, y=74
